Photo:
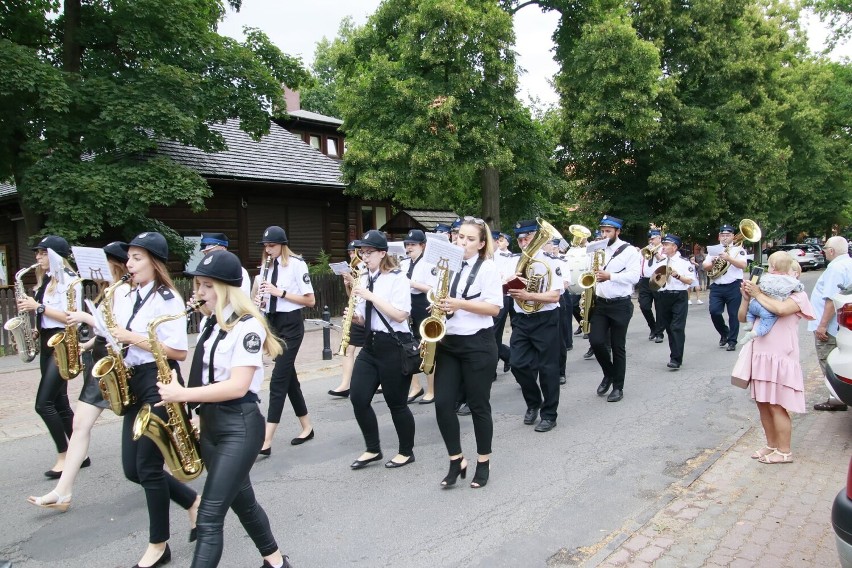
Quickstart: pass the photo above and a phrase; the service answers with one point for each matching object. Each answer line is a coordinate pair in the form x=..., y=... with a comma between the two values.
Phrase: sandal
x=765, y=451
x=61, y=503
x=783, y=458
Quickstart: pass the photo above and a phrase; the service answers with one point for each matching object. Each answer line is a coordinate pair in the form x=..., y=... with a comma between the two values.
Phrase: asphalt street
x=605, y=469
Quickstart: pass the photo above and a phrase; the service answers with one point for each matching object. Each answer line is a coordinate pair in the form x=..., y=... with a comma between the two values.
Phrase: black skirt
x=91, y=391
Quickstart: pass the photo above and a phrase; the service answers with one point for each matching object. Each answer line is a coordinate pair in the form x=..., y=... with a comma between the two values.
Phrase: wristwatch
x=283, y=293
x=40, y=309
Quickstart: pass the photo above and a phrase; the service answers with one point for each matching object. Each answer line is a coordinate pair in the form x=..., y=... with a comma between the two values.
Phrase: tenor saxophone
x=346, y=325
x=111, y=371
x=19, y=327
x=66, y=344
x=587, y=299
x=434, y=327
x=177, y=439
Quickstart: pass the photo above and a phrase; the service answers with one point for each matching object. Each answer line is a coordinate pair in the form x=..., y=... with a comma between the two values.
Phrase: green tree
x=321, y=94
x=88, y=87
x=839, y=16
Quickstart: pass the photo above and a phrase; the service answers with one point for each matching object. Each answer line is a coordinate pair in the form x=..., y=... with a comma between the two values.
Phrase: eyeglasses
x=365, y=253
x=476, y=220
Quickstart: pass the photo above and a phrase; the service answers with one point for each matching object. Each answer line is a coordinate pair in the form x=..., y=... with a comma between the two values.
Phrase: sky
x=295, y=27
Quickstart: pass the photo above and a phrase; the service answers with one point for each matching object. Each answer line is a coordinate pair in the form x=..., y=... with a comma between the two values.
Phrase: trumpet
x=650, y=252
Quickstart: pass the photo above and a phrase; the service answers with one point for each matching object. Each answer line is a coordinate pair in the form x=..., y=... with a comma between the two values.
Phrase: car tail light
x=801, y=253
x=849, y=481
x=844, y=316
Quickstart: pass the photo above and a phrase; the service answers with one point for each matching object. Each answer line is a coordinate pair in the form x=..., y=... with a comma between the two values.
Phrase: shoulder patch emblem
x=558, y=271
x=306, y=278
x=742, y=252
x=251, y=342
x=434, y=271
x=165, y=292
x=396, y=271
x=692, y=269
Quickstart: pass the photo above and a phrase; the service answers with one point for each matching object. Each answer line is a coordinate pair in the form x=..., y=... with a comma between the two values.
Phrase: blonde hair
x=796, y=268
x=484, y=236
x=117, y=269
x=389, y=262
x=284, y=256
x=781, y=261
x=233, y=296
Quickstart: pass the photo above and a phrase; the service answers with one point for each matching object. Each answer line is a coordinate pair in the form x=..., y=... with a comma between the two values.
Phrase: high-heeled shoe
x=358, y=464
x=456, y=470
x=162, y=560
x=480, y=477
x=61, y=503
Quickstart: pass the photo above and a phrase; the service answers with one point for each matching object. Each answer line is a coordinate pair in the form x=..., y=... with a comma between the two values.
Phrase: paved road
x=554, y=498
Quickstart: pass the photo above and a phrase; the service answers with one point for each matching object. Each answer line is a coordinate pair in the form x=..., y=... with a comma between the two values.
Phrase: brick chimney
x=292, y=99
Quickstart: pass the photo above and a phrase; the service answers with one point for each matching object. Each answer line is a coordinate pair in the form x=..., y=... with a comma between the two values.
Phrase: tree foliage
x=85, y=95
x=839, y=16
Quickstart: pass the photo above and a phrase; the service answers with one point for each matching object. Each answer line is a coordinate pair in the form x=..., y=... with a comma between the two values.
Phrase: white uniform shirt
x=555, y=282
x=293, y=278
x=682, y=266
x=161, y=302
x=506, y=262
x=58, y=300
x=423, y=273
x=119, y=292
x=393, y=287
x=623, y=271
x=559, y=267
x=241, y=347
x=486, y=287
x=246, y=285
x=837, y=275
x=733, y=274
x=647, y=267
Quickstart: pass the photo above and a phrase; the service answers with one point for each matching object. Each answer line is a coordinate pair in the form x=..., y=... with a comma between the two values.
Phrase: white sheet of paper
x=715, y=250
x=397, y=248
x=442, y=236
x=92, y=263
x=57, y=266
x=340, y=268
x=438, y=248
x=596, y=245
x=101, y=325
x=196, y=255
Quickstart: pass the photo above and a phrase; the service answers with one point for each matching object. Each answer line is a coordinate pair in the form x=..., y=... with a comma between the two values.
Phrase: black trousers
x=672, y=308
x=608, y=336
x=231, y=436
x=289, y=326
x=575, y=308
x=535, y=347
x=380, y=363
x=419, y=312
x=51, y=401
x=503, y=351
x=566, y=336
x=646, y=304
x=143, y=463
x=466, y=363
x=726, y=297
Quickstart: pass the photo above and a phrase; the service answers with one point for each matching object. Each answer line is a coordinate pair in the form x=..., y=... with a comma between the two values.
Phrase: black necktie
x=455, y=285
x=368, y=307
x=198, y=357
x=273, y=300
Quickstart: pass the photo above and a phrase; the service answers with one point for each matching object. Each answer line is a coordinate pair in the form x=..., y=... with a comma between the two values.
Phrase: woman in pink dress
x=772, y=364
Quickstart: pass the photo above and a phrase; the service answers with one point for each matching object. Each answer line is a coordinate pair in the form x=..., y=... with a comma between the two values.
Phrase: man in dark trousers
x=646, y=295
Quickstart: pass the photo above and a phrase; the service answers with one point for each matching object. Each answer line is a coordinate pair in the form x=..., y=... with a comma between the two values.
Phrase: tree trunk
x=491, y=197
x=33, y=220
x=72, y=51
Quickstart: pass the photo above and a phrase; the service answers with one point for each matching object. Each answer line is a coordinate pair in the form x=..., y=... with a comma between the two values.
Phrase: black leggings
x=52, y=402
x=231, y=436
x=143, y=462
x=284, y=382
x=465, y=362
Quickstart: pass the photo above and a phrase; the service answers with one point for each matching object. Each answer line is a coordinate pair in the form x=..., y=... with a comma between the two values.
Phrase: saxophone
x=177, y=439
x=66, y=344
x=536, y=283
x=346, y=325
x=19, y=327
x=587, y=282
x=112, y=374
x=434, y=327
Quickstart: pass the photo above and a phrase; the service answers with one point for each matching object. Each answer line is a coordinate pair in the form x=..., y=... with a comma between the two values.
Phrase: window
x=315, y=142
x=373, y=217
x=331, y=147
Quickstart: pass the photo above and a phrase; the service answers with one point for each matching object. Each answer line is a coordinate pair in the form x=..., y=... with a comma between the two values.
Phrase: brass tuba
x=536, y=282
x=434, y=327
x=66, y=344
x=749, y=231
x=177, y=439
x=19, y=327
x=112, y=374
x=580, y=234
x=346, y=325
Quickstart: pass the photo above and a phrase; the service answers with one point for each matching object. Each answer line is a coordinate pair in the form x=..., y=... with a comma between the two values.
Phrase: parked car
x=838, y=377
x=810, y=257
x=841, y=521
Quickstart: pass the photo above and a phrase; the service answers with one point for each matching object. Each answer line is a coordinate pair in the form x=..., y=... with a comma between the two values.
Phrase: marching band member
x=560, y=268
x=535, y=341
x=219, y=241
x=672, y=299
x=153, y=295
x=466, y=356
x=226, y=376
x=49, y=305
x=725, y=290
x=643, y=289
x=356, y=338
x=90, y=395
x=384, y=313
x=506, y=262
x=289, y=290
x=420, y=275
x=613, y=307
x=454, y=230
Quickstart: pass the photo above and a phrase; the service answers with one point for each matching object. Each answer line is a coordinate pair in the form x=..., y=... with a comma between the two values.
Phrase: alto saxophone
x=66, y=344
x=434, y=327
x=346, y=325
x=177, y=439
x=587, y=282
x=19, y=327
x=112, y=373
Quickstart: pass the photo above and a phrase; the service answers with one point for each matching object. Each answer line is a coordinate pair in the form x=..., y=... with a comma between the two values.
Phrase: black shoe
x=193, y=534
x=830, y=407
x=579, y=330
x=590, y=354
x=341, y=394
x=723, y=340
x=425, y=400
x=506, y=366
x=480, y=477
x=530, y=416
x=162, y=560
x=585, y=336
x=569, y=348
x=672, y=364
x=267, y=452
x=53, y=474
x=545, y=425
x=463, y=410
x=86, y=463
x=456, y=470
x=358, y=464
x=417, y=395
x=562, y=380
x=604, y=386
x=299, y=441
x=731, y=347
x=615, y=395
x=286, y=564
x=392, y=464
x=653, y=336
x=658, y=339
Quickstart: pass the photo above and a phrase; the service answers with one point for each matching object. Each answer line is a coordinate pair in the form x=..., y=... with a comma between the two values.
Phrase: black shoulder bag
x=410, y=350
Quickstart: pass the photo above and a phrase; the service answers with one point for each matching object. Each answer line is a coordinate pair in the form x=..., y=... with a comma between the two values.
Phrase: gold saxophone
x=112, y=374
x=66, y=344
x=536, y=283
x=19, y=327
x=346, y=325
x=587, y=283
x=434, y=327
x=177, y=439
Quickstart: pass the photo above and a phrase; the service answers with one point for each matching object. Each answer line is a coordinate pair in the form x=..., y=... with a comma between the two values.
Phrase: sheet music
x=340, y=268
x=442, y=236
x=100, y=324
x=715, y=250
x=92, y=263
x=438, y=248
x=196, y=256
x=596, y=245
x=57, y=266
x=397, y=248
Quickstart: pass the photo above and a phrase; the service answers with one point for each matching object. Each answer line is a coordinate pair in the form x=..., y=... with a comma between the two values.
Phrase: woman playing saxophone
x=356, y=331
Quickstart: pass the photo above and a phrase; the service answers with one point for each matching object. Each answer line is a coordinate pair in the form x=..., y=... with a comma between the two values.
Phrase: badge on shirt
x=306, y=278
x=434, y=271
x=558, y=271
x=251, y=342
x=742, y=252
x=691, y=269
